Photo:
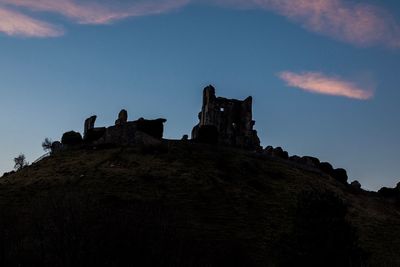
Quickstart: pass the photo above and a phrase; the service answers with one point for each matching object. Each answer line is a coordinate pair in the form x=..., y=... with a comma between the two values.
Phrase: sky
x=324, y=74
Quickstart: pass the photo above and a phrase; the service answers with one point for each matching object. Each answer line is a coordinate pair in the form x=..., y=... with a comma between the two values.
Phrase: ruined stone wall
x=232, y=119
x=124, y=132
x=89, y=124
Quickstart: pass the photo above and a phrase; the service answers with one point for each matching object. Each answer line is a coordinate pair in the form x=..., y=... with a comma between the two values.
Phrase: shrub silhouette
x=47, y=144
x=20, y=162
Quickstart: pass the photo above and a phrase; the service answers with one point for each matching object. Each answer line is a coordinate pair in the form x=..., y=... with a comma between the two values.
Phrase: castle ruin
x=221, y=121
x=229, y=121
x=124, y=132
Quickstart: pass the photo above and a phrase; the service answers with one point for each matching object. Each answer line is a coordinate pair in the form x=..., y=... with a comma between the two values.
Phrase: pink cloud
x=316, y=82
x=98, y=12
x=17, y=24
x=14, y=21
x=357, y=23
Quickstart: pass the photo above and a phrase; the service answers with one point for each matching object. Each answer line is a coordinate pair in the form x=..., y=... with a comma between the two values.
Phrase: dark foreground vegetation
x=184, y=204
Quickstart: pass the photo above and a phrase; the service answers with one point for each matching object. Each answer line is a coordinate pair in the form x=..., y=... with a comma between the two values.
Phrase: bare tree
x=47, y=144
x=20, y=162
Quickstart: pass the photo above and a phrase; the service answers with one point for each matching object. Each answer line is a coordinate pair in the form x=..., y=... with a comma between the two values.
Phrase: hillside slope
x=187, y=204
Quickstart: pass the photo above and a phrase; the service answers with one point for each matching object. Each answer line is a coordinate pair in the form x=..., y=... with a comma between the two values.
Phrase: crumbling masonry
x=229, y=120
x=124, y=132
x=222, y=121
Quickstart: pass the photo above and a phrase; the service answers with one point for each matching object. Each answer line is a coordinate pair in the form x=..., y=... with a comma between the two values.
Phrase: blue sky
x=326, y=87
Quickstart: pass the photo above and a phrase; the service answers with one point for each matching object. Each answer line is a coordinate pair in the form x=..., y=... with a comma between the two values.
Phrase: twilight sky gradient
x=324, y=74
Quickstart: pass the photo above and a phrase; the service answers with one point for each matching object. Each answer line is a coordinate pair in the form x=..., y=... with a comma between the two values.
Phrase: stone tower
x=231, y=118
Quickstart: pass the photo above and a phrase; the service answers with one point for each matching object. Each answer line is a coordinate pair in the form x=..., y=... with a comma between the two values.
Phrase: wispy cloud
x=99, y=12
x=316, y=82
x=353, y=22
x=17, y=24
x=357, y=23
x=14, y=21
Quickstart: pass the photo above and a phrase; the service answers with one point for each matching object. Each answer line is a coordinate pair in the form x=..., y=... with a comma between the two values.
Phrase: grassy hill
x=184, y=204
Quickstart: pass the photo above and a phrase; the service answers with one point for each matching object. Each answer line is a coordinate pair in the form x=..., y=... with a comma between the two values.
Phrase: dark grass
x=184, y=204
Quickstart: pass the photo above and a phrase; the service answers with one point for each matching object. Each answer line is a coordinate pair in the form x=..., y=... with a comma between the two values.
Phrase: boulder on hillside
x=269, y=150
x=280, y=153
x=390, y=192
x=310, y=161
x=276, y=152
x=326, y=167
x=8, y=174
x=356, y=185
x=295, y=158
x=340, y=175
x=71, y=139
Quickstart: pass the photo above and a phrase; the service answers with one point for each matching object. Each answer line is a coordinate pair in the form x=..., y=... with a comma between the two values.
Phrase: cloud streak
x=315, y=82
x=99, y=12
x=356, y=23
x=14, y=21
x=17, y=24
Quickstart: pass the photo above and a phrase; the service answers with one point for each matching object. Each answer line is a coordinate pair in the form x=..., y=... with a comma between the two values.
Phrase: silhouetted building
x=226, y=121
x=124, y=132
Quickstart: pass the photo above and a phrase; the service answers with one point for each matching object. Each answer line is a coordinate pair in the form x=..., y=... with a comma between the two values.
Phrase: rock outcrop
x=309, y=162
x=390, y=192
x=276, y=152
x=356, y=185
